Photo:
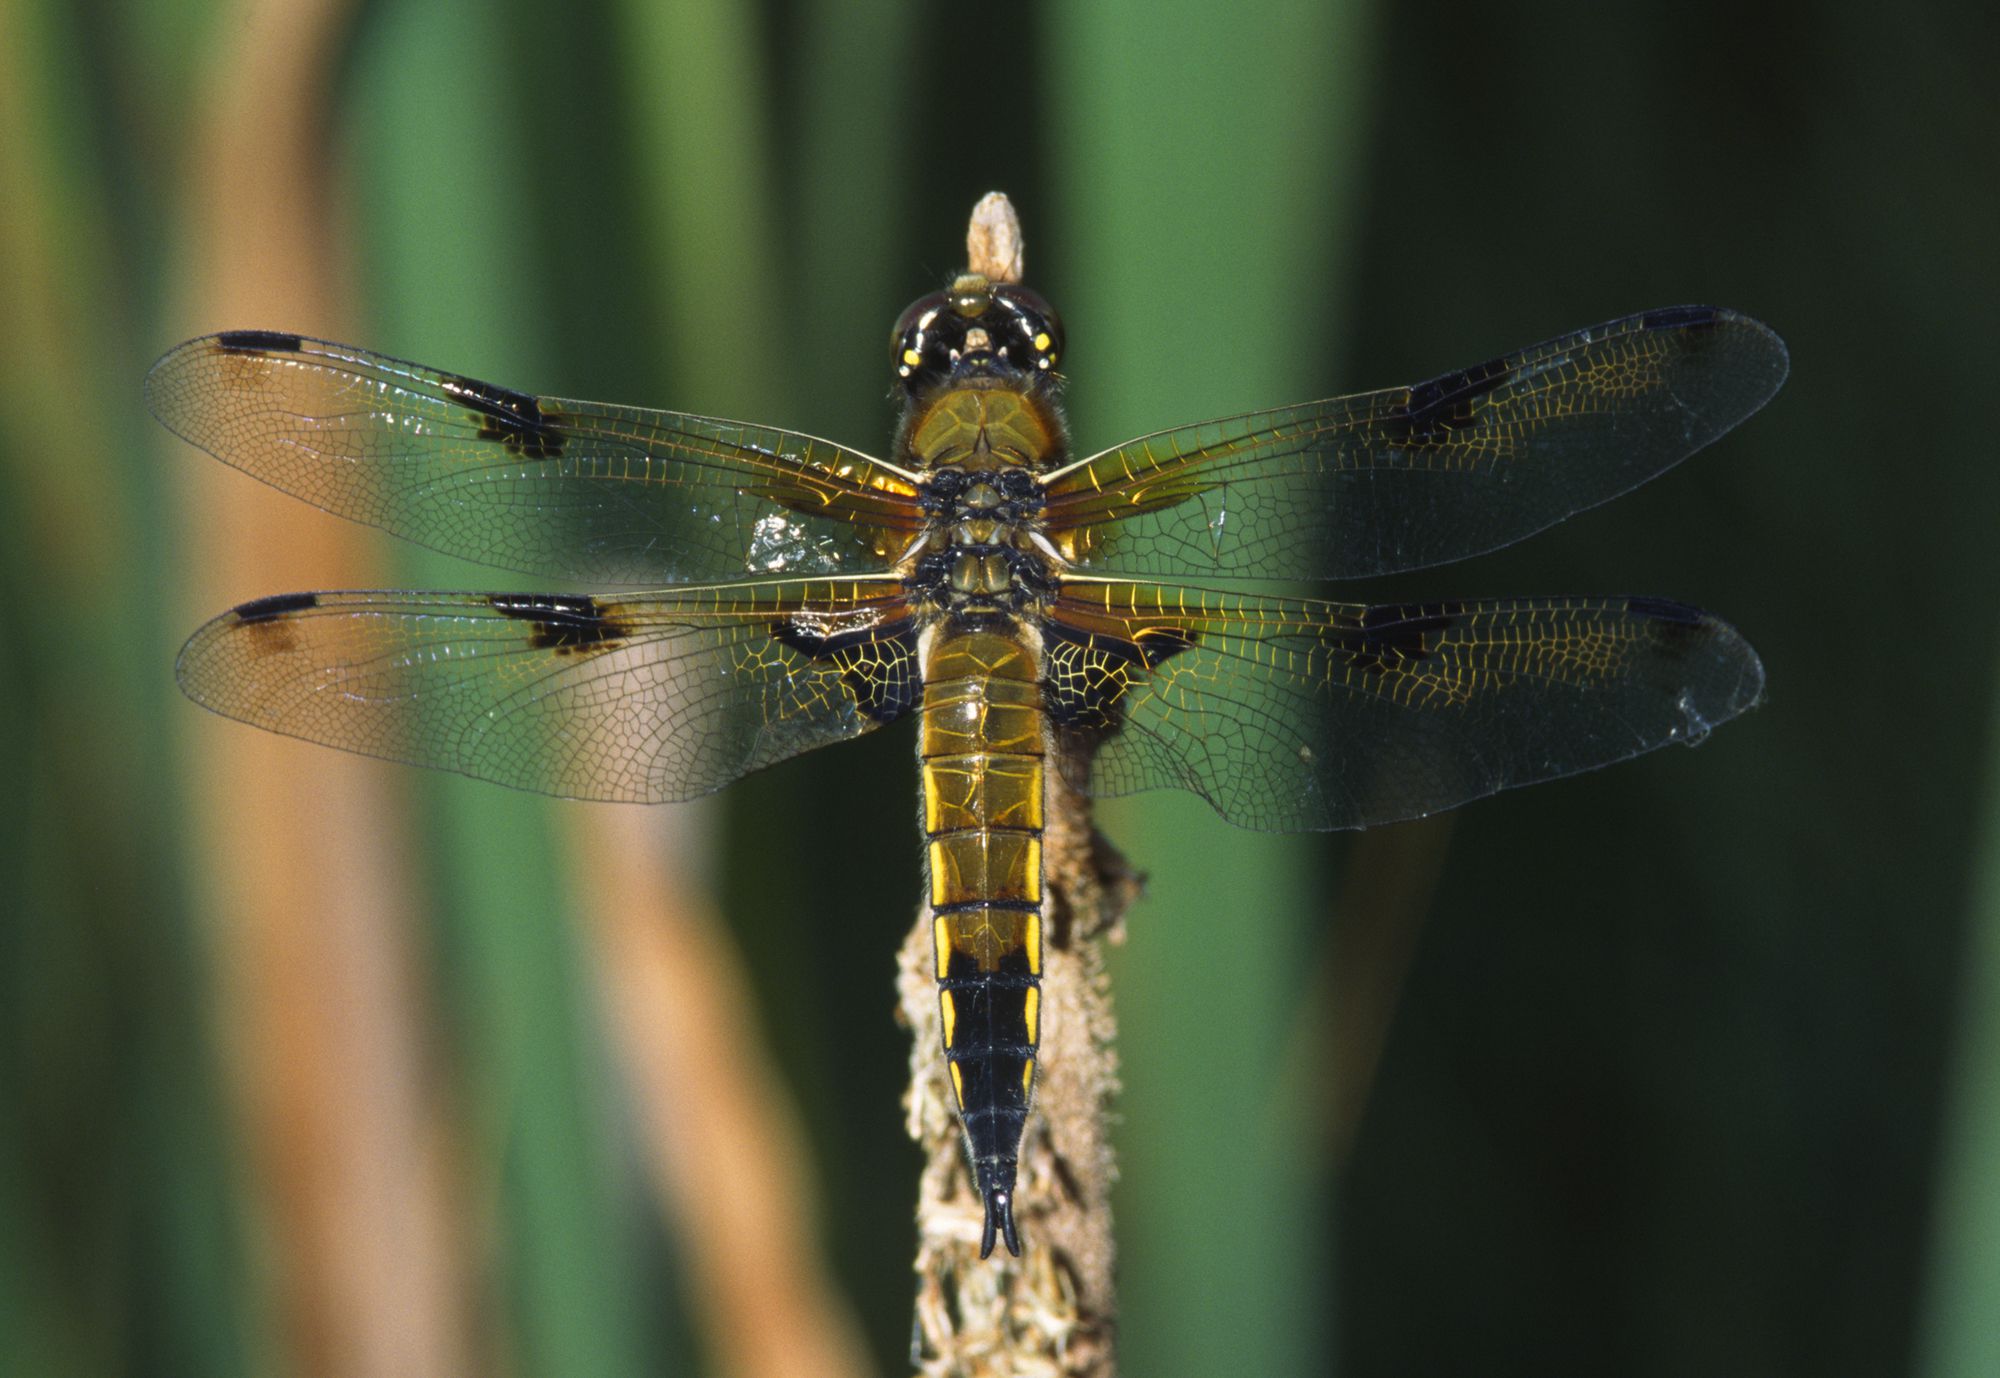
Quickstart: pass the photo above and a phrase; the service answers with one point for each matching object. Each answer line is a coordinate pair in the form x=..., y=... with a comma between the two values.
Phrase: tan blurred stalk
x=720, y=1134
x=314, y=920
x=722, y=1142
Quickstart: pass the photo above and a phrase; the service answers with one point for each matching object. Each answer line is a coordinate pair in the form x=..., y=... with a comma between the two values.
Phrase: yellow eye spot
x=912, y=358
x=1042, y=340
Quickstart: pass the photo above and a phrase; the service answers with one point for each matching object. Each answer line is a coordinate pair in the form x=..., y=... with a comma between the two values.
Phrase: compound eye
x=912, y=340
x=1035, y=323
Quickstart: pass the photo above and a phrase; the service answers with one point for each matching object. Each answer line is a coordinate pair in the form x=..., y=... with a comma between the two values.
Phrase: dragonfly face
x=974, y=325
x=1024, y=606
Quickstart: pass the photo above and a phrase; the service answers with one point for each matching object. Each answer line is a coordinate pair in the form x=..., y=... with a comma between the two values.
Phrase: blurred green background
x=1691, y=1066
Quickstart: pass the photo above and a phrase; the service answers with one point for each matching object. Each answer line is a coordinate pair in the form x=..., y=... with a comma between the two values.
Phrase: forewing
x=1415, y=476
x=1294, y=714
x=550, y=487
x=648, y=698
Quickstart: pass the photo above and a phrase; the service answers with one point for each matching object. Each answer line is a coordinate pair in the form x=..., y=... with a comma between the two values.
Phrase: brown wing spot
x=514, y=419
x=563, y=622
x=269, y=621
x=1674, y=625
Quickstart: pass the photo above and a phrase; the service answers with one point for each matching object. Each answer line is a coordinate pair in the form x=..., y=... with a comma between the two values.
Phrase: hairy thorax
x=981, y=442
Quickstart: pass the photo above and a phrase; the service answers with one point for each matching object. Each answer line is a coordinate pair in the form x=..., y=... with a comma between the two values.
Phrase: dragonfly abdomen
x=982, y=751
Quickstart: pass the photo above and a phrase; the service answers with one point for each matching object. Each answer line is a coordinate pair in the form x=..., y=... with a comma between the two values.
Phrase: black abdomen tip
x=999, y=1224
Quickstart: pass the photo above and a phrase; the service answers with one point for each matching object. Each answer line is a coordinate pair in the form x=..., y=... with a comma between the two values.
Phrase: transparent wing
x=648, y=698
x=1293, y=714
x=563, y=489
x=1415, y=476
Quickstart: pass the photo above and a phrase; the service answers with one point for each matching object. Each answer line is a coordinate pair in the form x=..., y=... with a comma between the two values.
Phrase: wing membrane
x=654, y=697
x=1294, y=714
x=1415, y=476
x=550, y=487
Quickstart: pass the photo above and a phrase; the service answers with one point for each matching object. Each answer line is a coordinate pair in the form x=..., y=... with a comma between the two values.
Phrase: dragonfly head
x=974, y=323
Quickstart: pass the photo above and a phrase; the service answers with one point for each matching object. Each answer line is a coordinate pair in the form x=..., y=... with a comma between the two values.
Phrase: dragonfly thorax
x=981, y=554
x=993, y=493
x=981, y=581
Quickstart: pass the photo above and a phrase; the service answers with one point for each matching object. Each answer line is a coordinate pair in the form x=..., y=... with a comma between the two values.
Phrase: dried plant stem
x=721, y=1136
x=1053, y=1310
x=993, y=244
x=322, y=1012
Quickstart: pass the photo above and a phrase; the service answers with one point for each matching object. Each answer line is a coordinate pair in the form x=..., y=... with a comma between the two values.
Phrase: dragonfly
x=1045, y=618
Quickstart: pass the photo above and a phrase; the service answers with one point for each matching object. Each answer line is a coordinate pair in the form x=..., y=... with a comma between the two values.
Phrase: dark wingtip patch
x=257, y=342
x=565, y=622
x=1677, y=317
x=276, y=606
x=515, y=419
x=1666, y=610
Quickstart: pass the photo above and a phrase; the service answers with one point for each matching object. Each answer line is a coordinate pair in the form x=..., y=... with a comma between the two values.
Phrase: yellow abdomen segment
x=982, y=752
